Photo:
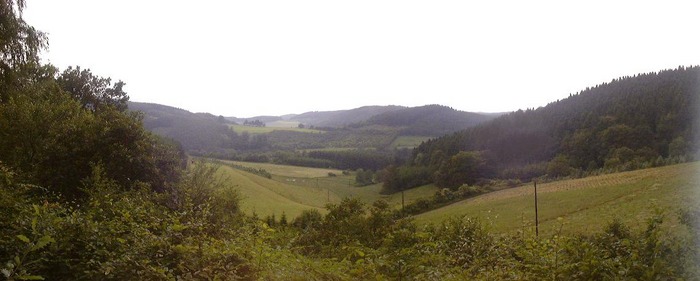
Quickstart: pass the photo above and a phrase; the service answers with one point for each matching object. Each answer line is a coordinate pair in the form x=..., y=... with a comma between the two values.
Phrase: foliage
x=93, y=92
x=625, y=124
x=429, y=120
x=404, y=177
x=342, y=118
x=254, y=123
x=462, y=168
x=20, y=45
x=363, y=178
x=52, y=140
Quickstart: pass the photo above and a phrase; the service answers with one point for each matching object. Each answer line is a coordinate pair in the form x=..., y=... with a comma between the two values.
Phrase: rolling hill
x=429, y=120
x=629, y=123
x=194, y=131
x=373, y=127
x=583, y=205
x=341, y=118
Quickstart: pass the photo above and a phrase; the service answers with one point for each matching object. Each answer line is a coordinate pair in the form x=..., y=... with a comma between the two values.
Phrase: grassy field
x=283, y=124
x=264, y=130
x=408, y=141
x=335, y=149
x=343, y=186
x=265, y=197
x=584, y=205
x=287, y=170
x=294, y=189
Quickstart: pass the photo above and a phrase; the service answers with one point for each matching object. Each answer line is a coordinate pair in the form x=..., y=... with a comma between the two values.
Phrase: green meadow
x=583, y=205
x=293, y=189
x=264, y=130
x=408, y=141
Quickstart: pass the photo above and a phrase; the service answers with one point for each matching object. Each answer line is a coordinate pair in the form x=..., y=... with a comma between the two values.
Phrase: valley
x=577, y=206
x=95, y=186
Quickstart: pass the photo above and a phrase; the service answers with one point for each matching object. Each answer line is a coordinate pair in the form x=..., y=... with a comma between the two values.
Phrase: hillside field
x=584, y=205
x=408, y=142
x=294, y=189
x=264, y=130
x=577, y=206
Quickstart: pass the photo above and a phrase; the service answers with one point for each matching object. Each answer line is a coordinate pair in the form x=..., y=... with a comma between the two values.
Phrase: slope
x=628, y=123
x=585, y=205
x=195, y=131
x=429, y=120
x=293, y=189
x=340, y=118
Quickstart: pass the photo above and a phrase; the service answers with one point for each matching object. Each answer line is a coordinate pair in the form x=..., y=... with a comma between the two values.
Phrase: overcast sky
x=246, y=58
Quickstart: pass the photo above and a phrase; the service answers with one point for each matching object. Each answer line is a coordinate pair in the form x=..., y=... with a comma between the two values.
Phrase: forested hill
x=429, y=120
x=195, y=131
x=341, y=118
x=628, y=123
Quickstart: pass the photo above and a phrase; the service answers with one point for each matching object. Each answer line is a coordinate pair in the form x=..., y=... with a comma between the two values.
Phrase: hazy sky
x=257, y=57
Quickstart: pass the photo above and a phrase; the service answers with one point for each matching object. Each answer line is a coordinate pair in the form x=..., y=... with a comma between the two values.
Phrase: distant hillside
x=369, y=144
x=429, y=120
x=340, y=118
x=195, y=131
x=629, y=123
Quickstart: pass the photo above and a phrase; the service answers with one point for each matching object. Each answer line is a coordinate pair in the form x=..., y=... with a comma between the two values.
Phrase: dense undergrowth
x=196, y=232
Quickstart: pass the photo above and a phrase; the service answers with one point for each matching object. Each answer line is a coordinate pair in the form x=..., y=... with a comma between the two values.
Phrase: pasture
x=583, y=205
x=294, y=189
x=408, y=142
x=264, y=130
x=288, y=170
x=283, y=124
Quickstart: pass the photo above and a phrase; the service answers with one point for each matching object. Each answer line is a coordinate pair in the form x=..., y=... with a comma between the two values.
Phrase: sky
x=249, y=58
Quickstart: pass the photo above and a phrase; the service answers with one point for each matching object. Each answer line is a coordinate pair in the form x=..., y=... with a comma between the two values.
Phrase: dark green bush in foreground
x=196, y=232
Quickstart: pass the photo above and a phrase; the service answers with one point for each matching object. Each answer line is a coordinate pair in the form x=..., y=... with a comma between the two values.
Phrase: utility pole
x=537, y=221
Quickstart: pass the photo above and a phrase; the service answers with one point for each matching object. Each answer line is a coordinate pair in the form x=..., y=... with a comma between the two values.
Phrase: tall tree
x=20, y=44
x=94, y=92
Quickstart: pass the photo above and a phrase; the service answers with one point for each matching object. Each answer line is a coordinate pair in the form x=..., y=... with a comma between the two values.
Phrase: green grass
x=288, y=170
x=293, y=189
x=408, y=141
x=335, y=149
x=264, y=130
x=283, y=124
x=343, y=186
x=584, y=205
x=267, y=197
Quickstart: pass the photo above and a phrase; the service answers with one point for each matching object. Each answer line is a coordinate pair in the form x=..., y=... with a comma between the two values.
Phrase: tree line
x=629, y=123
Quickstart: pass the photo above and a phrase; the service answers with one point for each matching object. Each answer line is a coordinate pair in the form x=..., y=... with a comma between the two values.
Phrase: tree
x=559, y=167
x=20, y=45
x=364, y=177
x=93, y=92
x=677, y=147
x=464, y=167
